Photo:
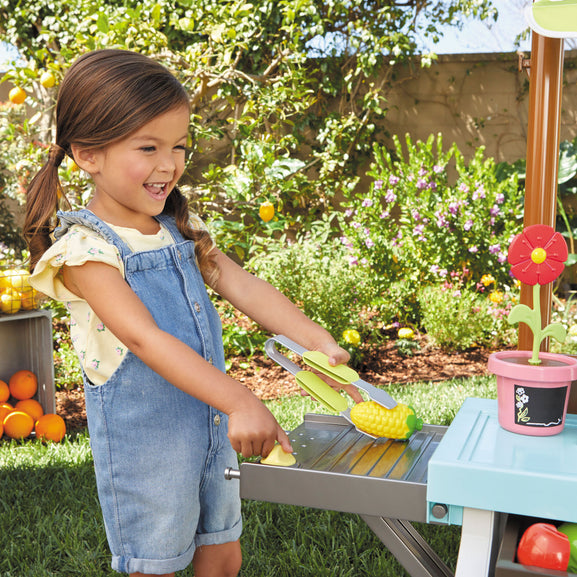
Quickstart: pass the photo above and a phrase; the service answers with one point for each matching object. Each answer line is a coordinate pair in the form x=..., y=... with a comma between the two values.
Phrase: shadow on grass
x=50, y=519
x=51, y=526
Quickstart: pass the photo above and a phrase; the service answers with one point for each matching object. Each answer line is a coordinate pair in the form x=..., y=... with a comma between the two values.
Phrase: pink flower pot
x=532, y=399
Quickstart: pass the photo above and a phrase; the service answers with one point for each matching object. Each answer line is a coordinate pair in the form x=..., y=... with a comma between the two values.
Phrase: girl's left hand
x=338, y=356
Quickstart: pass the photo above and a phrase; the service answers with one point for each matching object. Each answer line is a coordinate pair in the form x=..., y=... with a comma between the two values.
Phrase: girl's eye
x=180, y=148
x=148, y=149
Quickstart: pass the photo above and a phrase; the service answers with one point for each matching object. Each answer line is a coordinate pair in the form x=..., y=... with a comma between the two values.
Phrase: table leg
x=408, y=547
x=480, y=536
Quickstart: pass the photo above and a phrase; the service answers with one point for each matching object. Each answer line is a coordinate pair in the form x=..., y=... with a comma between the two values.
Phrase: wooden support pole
x=543, y=141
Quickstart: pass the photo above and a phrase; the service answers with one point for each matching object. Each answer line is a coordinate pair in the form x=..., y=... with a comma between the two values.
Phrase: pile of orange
x=24, y=414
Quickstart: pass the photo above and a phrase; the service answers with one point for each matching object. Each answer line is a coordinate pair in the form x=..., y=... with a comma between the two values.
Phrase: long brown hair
x=105, y=96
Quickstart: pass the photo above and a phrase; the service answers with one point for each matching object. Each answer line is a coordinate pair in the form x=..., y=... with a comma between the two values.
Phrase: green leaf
x=102, y=23
x=555, y=330
x=567, y=162
x=520, y=313
x=155, y=14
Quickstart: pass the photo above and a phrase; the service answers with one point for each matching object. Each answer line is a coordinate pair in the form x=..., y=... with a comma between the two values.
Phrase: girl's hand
x=253, y=430
x=338, y=356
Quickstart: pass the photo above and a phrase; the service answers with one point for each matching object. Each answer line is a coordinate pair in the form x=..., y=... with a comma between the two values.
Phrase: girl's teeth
x=155, y=188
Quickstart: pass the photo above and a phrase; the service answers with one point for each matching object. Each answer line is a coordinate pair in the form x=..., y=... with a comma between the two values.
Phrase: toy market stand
x=473, y=473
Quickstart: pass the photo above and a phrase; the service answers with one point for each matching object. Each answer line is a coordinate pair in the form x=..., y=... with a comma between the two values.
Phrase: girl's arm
x=252, y=428
x=272, y=310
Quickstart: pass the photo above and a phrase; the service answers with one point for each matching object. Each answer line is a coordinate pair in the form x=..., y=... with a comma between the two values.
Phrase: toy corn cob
x=398, y=423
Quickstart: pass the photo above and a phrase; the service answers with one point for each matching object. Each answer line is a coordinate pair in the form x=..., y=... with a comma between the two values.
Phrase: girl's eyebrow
x=149, y=137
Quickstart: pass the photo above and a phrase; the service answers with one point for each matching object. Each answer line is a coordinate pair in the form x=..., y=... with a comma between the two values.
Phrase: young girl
x=165, y=421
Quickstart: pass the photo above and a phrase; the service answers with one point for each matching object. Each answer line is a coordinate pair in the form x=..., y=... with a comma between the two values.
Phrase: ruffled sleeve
x=196, y=223
x=75, y=248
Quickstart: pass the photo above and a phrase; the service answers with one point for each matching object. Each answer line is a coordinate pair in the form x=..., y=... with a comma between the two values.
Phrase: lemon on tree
x=266, y=211
x=47, y=79
x=17, y=95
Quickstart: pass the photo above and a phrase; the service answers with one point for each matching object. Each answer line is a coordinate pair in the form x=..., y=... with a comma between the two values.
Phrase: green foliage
x=314, y=273
x=240, y=335
x=287, y=96
x=67, y=369
x=458, y=318
x=417, y=226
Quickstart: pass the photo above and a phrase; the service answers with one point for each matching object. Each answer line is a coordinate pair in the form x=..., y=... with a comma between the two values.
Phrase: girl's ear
x=85, y=158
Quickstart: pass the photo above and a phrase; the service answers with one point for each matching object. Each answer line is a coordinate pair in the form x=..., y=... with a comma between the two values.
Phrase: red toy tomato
x=543, y=546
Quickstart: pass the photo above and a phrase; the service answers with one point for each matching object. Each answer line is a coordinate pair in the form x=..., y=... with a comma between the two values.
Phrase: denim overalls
x=159, y=453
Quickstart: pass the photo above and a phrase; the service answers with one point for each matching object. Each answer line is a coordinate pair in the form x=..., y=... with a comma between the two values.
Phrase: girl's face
x=134, y=176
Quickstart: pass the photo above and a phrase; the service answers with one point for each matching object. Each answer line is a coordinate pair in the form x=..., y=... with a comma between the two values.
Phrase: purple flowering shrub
x=430, y=213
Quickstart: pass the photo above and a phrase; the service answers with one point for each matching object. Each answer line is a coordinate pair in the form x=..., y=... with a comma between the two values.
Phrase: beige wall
x=4, y=90
x=475, y=100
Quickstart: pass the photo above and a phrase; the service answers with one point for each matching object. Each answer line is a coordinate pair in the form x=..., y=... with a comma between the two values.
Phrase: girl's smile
x=134, y=176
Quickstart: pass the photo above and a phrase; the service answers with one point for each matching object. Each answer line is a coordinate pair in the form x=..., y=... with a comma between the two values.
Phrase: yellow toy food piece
x=279, y=458
x=398, y=423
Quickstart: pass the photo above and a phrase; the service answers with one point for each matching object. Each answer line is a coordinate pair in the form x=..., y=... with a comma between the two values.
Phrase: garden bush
x=313, y=271
x=457, y=318
x=419, y=225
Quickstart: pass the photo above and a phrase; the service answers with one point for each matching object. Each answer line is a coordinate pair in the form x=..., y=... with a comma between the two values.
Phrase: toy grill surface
x=340, y=469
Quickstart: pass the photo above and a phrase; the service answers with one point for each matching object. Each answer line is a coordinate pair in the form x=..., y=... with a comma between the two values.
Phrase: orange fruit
x=5, y=408
x=29, y=299
x=18, y=424
x=17, y=95
x=1, y=430
x=30, y=406
x=4, y=392
x=51, y=427
x=266, y=211
x=23, y=385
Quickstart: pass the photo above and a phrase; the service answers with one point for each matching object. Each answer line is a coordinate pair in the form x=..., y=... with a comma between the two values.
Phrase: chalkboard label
x=537, y=407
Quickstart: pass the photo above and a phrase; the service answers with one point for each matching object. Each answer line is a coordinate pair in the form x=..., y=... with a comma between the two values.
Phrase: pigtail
x=43, y=198
x=177, y=206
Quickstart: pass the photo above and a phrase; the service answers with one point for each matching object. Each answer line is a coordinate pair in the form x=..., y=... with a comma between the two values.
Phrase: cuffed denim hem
x=220, y=537
x=124, y=564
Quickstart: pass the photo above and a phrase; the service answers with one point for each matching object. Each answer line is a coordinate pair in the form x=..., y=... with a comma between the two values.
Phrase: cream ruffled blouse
x=99, y=351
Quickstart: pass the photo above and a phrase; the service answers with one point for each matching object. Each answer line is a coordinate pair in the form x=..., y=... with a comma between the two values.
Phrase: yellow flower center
x=539, y=255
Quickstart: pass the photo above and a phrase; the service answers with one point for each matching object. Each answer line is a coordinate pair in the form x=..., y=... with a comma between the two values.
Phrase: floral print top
x=99, y=351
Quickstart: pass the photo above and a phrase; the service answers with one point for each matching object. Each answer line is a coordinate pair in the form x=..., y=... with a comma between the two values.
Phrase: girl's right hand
x=253, y=430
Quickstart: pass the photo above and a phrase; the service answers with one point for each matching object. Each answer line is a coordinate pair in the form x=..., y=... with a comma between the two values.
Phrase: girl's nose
x=167, y=163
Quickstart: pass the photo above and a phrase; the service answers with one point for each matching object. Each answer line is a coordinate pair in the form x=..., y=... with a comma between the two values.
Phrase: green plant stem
x=534, y=360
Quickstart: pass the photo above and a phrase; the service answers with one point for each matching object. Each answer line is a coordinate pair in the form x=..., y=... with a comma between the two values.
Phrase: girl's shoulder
x=196, y=222
x=80, y=244
x=77, y=246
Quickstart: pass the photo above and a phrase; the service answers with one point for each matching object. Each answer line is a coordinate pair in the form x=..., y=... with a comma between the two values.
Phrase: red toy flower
x=537, y=255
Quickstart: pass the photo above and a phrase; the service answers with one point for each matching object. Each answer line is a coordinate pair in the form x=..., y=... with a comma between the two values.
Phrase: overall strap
x=88, y=219
x=170, y=224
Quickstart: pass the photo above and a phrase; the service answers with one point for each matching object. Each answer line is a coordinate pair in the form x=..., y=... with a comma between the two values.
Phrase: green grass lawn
x=51, y=525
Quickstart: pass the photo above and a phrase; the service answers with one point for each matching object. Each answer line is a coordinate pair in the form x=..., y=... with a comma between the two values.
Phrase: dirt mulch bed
x=382, y=366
